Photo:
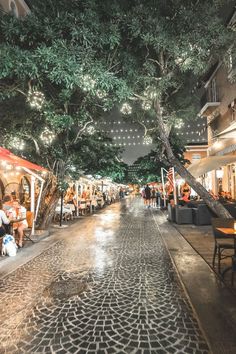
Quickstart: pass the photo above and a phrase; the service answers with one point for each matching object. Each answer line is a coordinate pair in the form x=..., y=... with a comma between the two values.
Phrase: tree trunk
x=213, y=204
x=50, y=198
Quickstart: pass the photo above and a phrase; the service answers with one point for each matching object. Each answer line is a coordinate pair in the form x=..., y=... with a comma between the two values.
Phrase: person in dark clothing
x=147, y=192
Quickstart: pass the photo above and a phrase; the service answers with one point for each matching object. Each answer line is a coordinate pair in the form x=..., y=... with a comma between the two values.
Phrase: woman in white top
x=3, y=220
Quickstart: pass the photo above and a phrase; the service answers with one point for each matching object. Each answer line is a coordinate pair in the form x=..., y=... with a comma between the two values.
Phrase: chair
x=202, y=215
x=183, y=215
x=28, y=230
x=222, y=243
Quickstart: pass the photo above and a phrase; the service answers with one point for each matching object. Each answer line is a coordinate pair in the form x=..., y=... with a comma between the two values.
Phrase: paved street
x=107, y=286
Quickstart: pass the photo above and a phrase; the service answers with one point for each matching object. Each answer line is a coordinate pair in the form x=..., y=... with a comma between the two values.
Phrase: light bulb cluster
x=179, y=124
x=126, y=109
x=101, y=94
x=17, y=143
x=91, y=130
x=88, y=83
x=150, y=93
x=36, y=99
x=146, y=105
x=47, y=136
x=147, y=140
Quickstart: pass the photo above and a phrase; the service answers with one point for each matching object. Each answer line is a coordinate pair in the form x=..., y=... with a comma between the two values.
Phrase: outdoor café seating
x=222, y=243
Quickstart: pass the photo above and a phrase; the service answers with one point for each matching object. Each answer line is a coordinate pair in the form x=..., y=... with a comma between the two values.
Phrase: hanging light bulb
x=126, y=109
x=47, y=136
x=35, y=99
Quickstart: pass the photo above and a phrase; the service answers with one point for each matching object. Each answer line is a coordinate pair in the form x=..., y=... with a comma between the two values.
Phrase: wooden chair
x=28, y=230
x=222, y=243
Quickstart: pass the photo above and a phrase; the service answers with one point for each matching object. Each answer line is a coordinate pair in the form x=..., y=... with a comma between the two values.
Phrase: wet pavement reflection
x=107, y=286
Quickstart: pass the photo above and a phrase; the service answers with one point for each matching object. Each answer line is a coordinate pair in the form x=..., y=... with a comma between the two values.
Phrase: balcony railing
x=209, y=102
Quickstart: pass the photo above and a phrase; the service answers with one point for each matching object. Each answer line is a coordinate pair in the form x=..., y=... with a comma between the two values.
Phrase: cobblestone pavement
x=108, y=286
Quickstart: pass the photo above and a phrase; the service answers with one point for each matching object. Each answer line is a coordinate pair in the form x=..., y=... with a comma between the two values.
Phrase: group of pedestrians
x=151, y=197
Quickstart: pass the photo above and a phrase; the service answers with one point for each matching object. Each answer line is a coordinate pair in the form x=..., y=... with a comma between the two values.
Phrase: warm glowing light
x=126, y=109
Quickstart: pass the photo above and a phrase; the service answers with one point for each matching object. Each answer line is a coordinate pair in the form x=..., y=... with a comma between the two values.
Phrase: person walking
x=147, y=191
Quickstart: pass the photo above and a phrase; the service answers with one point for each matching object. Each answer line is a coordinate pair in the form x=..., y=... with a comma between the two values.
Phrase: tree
x=170, y=44
x=57, y=77
x=149, y=166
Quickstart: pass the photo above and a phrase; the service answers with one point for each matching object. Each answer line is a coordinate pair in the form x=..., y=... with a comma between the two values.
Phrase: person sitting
x=18, y=212
x=4, y=221
x=185, y=199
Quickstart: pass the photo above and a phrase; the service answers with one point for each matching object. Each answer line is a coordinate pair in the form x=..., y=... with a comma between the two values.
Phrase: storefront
x=22, y=179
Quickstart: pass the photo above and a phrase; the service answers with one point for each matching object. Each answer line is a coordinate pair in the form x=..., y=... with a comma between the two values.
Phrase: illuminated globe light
x=146, y=105
x=36, y=99
x=88, y=83
x=91, y=130
x=47, y=136
x=17, y=143
x=126, y=109
x=147, y=140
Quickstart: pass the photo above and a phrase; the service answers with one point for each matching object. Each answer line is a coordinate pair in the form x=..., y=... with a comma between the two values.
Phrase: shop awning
x=229, y=132
x=210, y=163
x=8, y=157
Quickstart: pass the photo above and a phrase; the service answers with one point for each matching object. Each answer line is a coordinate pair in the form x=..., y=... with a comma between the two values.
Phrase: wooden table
x=228, y=232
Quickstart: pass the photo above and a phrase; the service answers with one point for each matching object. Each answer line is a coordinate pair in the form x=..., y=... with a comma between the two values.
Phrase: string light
x=47, y=136
x=126, y=109
x=36, y=99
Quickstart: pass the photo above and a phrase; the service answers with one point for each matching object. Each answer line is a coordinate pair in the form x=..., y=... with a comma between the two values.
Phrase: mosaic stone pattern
x=107, y=286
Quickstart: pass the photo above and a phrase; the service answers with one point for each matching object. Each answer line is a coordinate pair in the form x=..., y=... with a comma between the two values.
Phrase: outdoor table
x=228, y=233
